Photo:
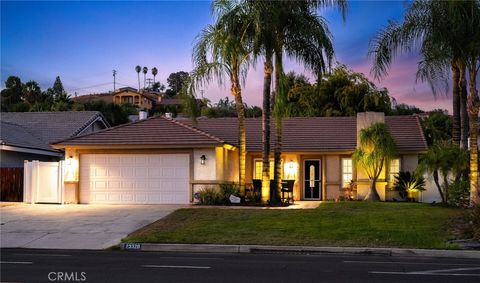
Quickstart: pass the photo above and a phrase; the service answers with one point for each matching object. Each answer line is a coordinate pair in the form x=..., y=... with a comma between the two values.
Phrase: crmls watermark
x=61, y=276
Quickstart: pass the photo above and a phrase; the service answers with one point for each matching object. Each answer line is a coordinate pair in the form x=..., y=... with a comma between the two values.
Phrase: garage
x=134, y=178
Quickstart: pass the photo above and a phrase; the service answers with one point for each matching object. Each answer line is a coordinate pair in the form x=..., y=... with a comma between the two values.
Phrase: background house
x=27, y=136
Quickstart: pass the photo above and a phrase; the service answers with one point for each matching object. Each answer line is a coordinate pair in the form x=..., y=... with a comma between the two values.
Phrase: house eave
x=30, y=150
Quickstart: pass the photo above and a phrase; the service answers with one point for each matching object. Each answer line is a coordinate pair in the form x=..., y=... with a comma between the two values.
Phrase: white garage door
x=134, y=178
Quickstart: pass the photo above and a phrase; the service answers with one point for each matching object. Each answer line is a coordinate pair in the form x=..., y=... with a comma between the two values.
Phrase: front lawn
x=409, y=225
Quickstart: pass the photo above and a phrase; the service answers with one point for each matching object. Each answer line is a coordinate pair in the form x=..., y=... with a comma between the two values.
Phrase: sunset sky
x=83, y=42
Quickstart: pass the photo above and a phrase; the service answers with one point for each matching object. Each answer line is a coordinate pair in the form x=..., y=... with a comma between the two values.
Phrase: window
x=127, y=99
x=394, y=169
x=347, y=171
x=258, y=169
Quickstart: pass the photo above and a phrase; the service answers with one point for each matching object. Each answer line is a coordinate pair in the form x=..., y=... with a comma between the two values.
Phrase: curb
x=207, y=248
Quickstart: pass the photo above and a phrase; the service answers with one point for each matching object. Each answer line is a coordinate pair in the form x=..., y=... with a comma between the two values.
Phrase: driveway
x=49, y=226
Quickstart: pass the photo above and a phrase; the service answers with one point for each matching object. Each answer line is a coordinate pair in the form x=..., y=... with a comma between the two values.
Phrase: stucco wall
x=207, y=171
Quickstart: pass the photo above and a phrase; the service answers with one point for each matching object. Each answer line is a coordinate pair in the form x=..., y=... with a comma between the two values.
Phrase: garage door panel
x=134, y=178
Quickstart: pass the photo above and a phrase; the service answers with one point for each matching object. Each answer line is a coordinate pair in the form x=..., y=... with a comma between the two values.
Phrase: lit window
x=347, y=171
x=258, y=169
x=394, y=169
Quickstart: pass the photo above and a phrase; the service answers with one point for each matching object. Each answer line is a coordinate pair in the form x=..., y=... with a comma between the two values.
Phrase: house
x=27, y=135
x=125, y=95
x=162, y=160
x=129, y=95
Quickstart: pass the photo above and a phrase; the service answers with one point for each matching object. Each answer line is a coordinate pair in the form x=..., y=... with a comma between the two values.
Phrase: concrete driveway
x=49, y=226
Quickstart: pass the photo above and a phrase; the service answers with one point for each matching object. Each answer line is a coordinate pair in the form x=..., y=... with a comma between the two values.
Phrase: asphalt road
x=24, y=265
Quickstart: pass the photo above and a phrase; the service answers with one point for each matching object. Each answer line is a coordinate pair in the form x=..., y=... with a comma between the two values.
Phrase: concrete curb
x=205, y=248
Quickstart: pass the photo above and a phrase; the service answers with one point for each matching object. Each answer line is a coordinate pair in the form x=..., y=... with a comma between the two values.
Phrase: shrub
x=459, y=193
x=226, y=190
x=209, y=196
x=407, y=183
x=467, y=225
x=217, y=195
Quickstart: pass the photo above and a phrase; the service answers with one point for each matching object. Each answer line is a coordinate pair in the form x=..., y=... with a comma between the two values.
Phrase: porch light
x=70, y=170
x=203, y=158
x=290, y=170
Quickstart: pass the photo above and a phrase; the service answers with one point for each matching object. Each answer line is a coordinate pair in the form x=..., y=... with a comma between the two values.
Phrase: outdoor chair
x=287, y=188
x=257, y=187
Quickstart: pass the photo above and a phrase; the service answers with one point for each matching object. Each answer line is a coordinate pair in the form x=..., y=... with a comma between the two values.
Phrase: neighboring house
x=129, y=95
x=27, y=135
x=160, y=160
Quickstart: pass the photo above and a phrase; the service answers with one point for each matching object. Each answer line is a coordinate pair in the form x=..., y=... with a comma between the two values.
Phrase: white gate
x=43, y=182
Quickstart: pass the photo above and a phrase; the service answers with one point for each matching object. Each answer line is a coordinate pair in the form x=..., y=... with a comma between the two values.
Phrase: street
x=28, y=265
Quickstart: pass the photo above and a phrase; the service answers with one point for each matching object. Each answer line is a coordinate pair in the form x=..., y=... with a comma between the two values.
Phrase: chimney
x=366, y=119
x=142, y=115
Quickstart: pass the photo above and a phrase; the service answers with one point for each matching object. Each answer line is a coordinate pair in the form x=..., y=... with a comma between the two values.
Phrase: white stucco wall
x=207, y=171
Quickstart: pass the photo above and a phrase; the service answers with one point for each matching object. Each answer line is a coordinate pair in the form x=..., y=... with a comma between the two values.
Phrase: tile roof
x=155, y=131
x=326, y=134
x=39, y=129
x=315, y=133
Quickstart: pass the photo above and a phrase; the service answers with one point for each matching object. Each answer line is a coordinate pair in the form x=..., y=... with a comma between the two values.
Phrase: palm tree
x=444, y=159
x=293, y=28
x=376, y=148
x=154, y=73
x=447, y=40
x=221, y=51
x=138, y=69
x=425, y=24
x=145, y=71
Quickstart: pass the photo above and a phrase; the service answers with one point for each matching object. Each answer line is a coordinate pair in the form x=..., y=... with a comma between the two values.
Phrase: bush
x=218, y=195
x=459, y=193
x=407, y=183
x=226, y=190
x=467, y=225
x=209, y=196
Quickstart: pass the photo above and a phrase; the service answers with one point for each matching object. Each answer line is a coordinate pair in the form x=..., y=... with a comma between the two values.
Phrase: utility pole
x=114, y=75
x=149, y=81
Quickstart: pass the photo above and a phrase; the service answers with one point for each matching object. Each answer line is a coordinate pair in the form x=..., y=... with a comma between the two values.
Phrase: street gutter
x=208, y=248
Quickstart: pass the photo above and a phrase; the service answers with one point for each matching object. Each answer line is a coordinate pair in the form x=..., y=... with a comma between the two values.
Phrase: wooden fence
x=11, y=184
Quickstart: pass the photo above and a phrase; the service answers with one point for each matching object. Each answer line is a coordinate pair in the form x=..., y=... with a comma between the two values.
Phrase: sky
x=82, y=42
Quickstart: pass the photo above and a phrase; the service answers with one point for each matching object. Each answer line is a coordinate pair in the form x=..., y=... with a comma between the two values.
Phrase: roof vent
x=142, y=115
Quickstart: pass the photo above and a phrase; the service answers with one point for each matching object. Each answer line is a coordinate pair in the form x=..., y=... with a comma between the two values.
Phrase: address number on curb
x=133, y=246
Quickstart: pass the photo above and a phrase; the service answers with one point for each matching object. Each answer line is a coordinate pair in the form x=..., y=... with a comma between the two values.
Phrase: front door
x=312, y=179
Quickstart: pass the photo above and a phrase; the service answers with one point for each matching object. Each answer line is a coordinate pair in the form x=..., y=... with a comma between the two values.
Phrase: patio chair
x=287, y=188
x=257, y=187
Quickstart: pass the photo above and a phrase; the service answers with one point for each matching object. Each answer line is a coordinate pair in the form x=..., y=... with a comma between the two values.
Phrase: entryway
x=312, y=176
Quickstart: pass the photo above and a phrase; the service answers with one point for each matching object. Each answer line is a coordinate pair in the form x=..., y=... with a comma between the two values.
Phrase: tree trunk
x=242, y=136
x=372, y=194
x=473, y=108
x=267, y=81
x=446, y=186
x=436, y=180
x=463, y=109
x=456, y=104
x=138, y=75
x=277, y=176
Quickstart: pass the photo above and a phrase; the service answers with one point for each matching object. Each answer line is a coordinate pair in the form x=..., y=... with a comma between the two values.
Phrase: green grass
x=408, y=225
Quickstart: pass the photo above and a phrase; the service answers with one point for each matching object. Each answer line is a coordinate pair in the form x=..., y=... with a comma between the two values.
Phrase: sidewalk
x=299, y=249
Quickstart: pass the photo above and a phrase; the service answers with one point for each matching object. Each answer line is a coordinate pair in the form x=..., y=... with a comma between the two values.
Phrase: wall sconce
x=203, y=158
x=70, y=169
x=290, y=170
